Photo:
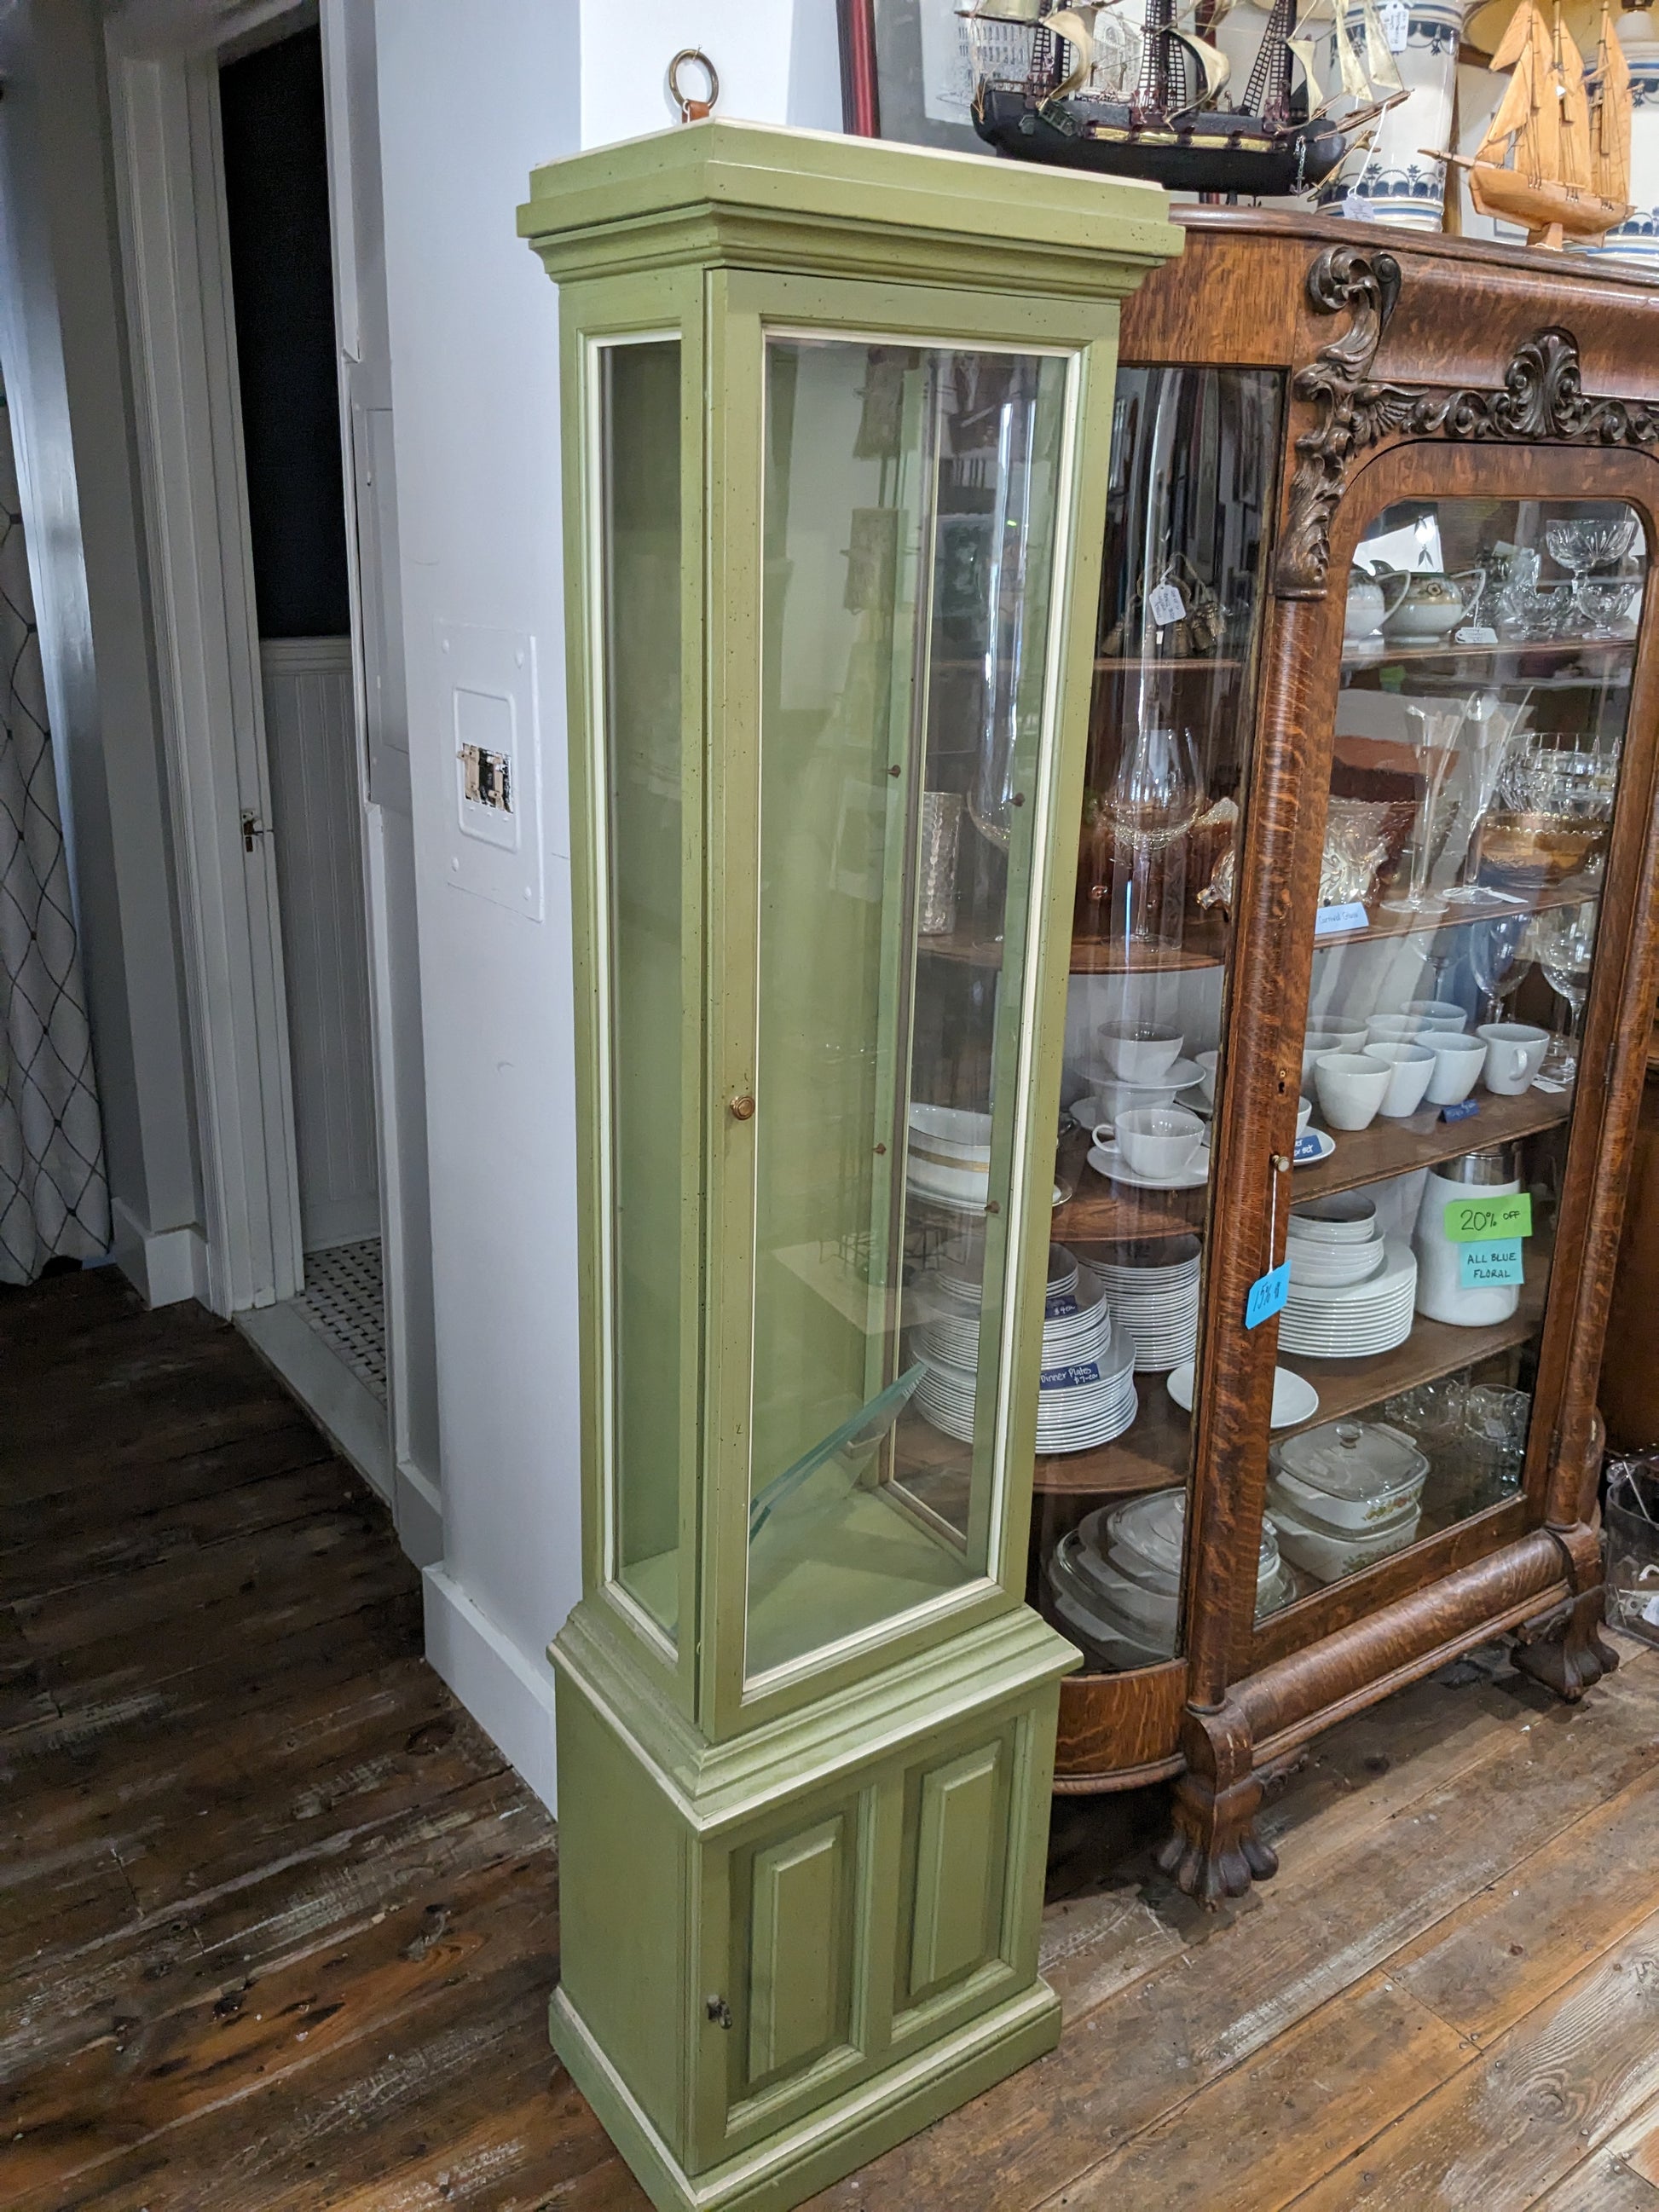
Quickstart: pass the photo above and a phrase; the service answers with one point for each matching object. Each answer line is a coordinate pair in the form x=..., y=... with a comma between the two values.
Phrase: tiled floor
x=343, y=1302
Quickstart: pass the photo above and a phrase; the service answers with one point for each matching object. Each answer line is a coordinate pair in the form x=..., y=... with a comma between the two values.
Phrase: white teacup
x=1438, y=1013
x=1515, y=1052
x=1303, y=1113
x=1138, y=1054
x=1112, y=1098
x=1160, y=1141
x=1397, y=1029
x=1411, y=1068
x=1207, y=1061
x=1458, y=1061
x=1351, y=1087
x=1316, y=1042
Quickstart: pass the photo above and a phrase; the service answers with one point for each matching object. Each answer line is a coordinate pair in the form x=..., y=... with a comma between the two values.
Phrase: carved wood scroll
x=1541, y=398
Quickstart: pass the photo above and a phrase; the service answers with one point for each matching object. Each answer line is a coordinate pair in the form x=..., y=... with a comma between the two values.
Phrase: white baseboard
x=510, y=1698
x=418, y=1510
x=348, y=1412
x=164, y=1267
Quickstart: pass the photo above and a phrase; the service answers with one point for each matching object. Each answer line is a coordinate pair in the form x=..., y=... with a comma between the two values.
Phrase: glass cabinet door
x=1485, y=682
x=1194, y=460
x=910, y=502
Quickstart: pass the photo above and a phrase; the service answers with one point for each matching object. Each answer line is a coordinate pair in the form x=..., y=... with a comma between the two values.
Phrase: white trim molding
x=164, y=1267
x=170, y=186
x=510, y=1700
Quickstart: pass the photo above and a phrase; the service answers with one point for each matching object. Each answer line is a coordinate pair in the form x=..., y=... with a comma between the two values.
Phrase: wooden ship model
x=1556, y=155
x=1171, y=124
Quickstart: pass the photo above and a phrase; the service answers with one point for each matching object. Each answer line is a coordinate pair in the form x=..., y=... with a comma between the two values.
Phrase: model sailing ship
x=1556, y=156
x=1167, y=121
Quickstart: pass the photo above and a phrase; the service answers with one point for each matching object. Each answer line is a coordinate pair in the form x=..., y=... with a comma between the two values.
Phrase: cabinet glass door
x=1194, y=460
x=911, y=499
x=1485, y=683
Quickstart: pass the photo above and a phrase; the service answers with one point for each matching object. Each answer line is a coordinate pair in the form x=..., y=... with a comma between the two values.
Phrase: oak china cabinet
x=1363, y=963
x=836, y=422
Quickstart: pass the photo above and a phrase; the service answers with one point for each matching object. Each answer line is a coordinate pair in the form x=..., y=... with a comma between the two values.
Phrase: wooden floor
x=278, y=1928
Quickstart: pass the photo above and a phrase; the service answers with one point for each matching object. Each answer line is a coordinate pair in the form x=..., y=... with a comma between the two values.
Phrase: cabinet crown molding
x=1541, y=399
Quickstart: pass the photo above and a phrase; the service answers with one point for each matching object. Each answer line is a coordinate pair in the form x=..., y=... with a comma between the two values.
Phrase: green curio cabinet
x=836, y=427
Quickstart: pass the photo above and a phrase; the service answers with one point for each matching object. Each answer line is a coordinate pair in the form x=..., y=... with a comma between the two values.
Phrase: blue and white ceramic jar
x=1397, y=180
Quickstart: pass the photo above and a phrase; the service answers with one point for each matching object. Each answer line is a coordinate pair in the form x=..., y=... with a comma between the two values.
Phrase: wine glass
x=1153, y=797
x=1494, y=951
x=1435, y=730
x=1565, y=942
x=1587, y=543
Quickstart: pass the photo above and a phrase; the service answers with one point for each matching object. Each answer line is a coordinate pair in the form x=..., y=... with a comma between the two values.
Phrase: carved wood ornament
x=1541, y=398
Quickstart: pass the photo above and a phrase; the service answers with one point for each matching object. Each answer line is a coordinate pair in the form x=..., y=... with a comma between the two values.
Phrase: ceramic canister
x=1391, y=179
x=1637, y=239
x=1440, y=1292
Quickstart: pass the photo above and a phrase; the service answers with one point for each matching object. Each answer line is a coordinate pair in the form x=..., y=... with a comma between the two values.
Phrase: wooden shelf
x=1102, y=1212
x=1152, y=1456
x=1433, y=1348
x=1461, y=913
x=1394, y=1147
x=1557, y=649
x=1159, y=662
x=1204, y=945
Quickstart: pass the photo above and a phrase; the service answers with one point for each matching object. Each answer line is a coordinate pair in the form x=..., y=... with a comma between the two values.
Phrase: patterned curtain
x=54, y=1201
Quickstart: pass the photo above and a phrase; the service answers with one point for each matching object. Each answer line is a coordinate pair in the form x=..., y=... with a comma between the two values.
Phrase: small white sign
x=1335, y=920
x=1396, y=24
x=1477, y=634
x=1165, y=606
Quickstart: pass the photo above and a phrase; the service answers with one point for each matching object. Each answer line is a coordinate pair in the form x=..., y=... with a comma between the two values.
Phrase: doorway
x=273, y=135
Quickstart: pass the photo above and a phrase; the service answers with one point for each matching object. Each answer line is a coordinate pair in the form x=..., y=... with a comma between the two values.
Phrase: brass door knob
x=743, y=1108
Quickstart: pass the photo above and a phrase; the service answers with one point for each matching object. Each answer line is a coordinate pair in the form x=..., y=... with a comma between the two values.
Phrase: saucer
x=1106, y=1160
x=1326, y=1147
x=1294, y=1398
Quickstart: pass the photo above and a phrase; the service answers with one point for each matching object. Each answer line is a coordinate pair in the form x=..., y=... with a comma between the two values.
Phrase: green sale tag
x=1479, y=1220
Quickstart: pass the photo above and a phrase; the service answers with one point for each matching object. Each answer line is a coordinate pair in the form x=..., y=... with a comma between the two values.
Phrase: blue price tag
x=1268, y=1295
x=1333, y=920
x=1308, y=1146
x=1461, y=1112
x=1486, y=1265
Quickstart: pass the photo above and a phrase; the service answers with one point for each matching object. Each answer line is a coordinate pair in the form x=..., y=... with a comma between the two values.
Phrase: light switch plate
x=493, y=851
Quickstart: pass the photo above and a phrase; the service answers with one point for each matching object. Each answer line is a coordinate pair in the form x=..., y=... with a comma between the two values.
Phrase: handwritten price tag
x=1166, y=605
x=1333, y=920
x=1485, y=1220
x=1268, y=1295
x=1499, y=1260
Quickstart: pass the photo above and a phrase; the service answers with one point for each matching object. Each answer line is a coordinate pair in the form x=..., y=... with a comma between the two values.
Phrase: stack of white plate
x=1088, y=1390
x=1352, y=1291
x=1152, y=1290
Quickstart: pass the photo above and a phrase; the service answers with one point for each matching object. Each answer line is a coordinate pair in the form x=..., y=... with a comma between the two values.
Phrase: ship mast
x=1610, y=107
x=1161, y=90
x=1269, y=92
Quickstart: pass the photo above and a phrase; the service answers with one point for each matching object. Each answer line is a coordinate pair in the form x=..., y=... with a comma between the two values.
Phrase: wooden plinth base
x=791, y=2166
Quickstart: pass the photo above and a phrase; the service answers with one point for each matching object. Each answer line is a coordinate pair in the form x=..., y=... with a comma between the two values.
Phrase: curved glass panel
x=1480, y=729
x=1195, y=457
x=910, y=502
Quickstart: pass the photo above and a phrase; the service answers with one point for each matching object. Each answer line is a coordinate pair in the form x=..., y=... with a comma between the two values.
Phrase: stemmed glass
x=1153, y=797
x=1436, y=729
x=1588, y=543
x=1494, y=951
x=1565, y=940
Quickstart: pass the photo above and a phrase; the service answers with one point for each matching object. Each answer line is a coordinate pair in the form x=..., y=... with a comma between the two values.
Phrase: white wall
x=465, y=113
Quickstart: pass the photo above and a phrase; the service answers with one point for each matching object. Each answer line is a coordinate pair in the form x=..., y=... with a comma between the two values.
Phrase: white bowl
x=1324, y=1039
x=1411, y=1067
x=1438, y=1013
x=1458, y=1061
x=1397, y=1029
x=1351, y=1088
x=1207, y=1061
x=953, y=1131
x=1347, y=1216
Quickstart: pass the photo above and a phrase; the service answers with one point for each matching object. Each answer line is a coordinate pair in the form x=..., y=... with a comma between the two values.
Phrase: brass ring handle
x=692, y=110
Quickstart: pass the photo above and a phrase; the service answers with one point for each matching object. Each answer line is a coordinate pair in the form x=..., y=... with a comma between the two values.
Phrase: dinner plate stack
x=1152, y=1290
x=1352, y=1291
x=1088, y=1391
